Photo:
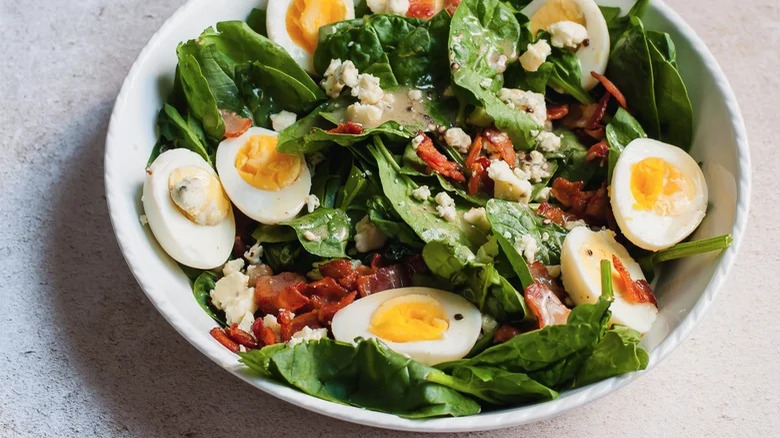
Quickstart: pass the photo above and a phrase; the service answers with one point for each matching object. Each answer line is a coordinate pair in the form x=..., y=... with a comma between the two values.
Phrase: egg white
x=191, y=244
x=267, y=207
x=647, y=229
x=276, y=25
x=595, y=56
x=354, y=321
x=581, y=275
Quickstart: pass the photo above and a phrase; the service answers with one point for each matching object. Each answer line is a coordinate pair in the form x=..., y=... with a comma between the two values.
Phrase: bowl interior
x=685, y=288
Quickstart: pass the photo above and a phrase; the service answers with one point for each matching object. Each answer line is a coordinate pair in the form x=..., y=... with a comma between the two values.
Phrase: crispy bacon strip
x=437, y=161
x=278, y=292
x=327, y=289
x=424, y=9
x=235, y=125
x=474, y=150
x=309, y=319
x=347, y=128
x=593, y=206
x=598, y=115
x=388, y=277
x=557, y=112
x=570, y=194
x=541, y=275
x=328, y=310
x=285, y=318
x=265, y=336
x=611, y=89
x=477, y=172
x=505, y=333
x=222, y=337
x=598, y=151
x=555, y=214
x=499, y=143
x=241, y=337
x=545, y=305
x=633, y=291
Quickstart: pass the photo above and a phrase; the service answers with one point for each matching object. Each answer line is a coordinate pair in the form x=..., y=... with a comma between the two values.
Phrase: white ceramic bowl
x=685, y=289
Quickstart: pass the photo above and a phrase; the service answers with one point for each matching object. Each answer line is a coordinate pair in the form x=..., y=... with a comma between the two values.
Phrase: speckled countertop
x=83, y=353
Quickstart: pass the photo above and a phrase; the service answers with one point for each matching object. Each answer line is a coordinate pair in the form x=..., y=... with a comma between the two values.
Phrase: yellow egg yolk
x=660, y=186
x=305, y=17
x=409, y=318
x=260, y=165
x=198, y=194
x=554, y=11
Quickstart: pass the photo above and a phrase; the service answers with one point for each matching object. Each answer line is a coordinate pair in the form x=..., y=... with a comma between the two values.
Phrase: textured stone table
x=83, y=352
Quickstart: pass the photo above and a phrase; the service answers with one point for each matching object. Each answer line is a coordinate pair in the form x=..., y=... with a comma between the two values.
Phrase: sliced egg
x=187, y=209
x=581, y=256
x=594, y=55
x=268, y=186
x=429, y=325
x=295, y=24
x=658, y=194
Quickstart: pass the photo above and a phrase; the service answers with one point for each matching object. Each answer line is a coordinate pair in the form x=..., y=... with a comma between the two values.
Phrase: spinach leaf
x=512, y=221
x=505, y=303
x=617, y=353
x=518, y=77
x=420, y=59
x=566, y=74
x=199, y=97
x=365, y=374
x=442, y=261
x=494, y=385
x=274, y=234
x=383, y=215
x=675, y=113
x=256, y=21
x=201, y=289
x=516, y=260
x=616, y=24
x=180, y=133
x=621, y=130
x=571, y=155
x=329, y=228
x=286, y=256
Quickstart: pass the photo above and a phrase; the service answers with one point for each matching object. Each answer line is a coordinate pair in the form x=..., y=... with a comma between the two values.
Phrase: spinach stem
x=686, y=249
x=606, y=278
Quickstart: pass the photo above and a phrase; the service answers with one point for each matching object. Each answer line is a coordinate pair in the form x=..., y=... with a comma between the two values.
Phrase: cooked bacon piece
x=424, y=9
x=222, y=337
x=570, y=194
x=579, y=115
x=633, y=291
x=328, y=310
x=545, y=305
x=327, y=289
x=598, y=115
x=241, y=337
x=452, y=6
x=555, y=214
x=437, y=161
x=265, y=336
x=541, y=275
x=611, y=89
x=416, y=264
x=557, y=112
x=600, y=133
x=474, y=150
x=235, y=125
x=505, y=333
x=278, y=292
x=309, y=319
x=388, y=277
x=498, y=143
x=347, y=128
x=598, y=151
x=285, y=318
x=593, y=206
x=337, y=269
x=377, y=261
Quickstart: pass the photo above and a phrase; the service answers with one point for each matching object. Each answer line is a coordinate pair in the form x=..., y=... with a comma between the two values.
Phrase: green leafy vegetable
x=494, y=385
x=621, y=130
x=512, y=221
x=617, y=353
x=274, y=234
x=201, y=289
x=180, y=133
x=324, y=232
x=682, y=250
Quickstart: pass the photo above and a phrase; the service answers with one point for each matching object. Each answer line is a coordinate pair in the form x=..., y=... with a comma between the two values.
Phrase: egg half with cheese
x=581, y=256
x=429, y=325
x=658, y=194
x=295, y=24
x=187, y=210
x=594, y=55
x=268, y=186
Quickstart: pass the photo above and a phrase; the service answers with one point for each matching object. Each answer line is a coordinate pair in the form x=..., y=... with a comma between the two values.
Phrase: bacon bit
x=285, y=318
x=476, y=177
x=377, y=261
x=222, y=337
x=265, y=336
x=452, y=6
x=337, y=269
x=601, y=109
x=505, y=333
x=235, y=125
x=541, y=275
x=579, y=115
x=328, y=310
x=600, y=133
x=416, y=264
x=388, y=277
x=437, y=161
x=347, y=128
x=499, y=142
x=611, y=89
x=309, y=319
x=549, y=310
x=633, y=291
x=555, y=214
x=424, y=9
x=241, y=337
x=593, y=206
x=570, y=193
x=599, y=210
x=598, y=151
x=280, y=292
x=474, y=151
x=557, y=112
x=327, y=289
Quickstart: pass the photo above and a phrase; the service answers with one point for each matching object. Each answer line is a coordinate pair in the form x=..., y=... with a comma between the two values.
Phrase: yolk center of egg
x=660, y=186
x=260, y=165
x=554, y=11
x=305, y=17
x=198, y=195
x=409, y=318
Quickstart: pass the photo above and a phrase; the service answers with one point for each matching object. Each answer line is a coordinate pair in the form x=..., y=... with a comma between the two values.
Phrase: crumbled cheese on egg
x=253, y=254
x=368, y=236
x=567, y=34
x=477, y=216
x=528, y=247
x=528, y=101
x=364, y=114
x=307, y=334
x=535, y=55
x=421, y=193
x=367, y=89
x=312, y=203
x=509, y=186
x=548, y=141
x=282, y=120
x=310, y=236
x=232, y=294
x=458, y=139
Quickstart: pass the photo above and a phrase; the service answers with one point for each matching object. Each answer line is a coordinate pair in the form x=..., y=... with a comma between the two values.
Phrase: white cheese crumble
x=509, y=186
x=486, y=83
x=338, y=75
x=232, y=295
x=535, y=55
x=570, y=225
x=368, y=90
x=307, y=334
x=528, y=247
x=369, y=115
x=533, y=167
x=415, y=94
x=312, y=203
x=567, y=34
x=144, y=220
x=499, y=63
x=282, y=120
x=253, y=254
x=246, y=323
x=543, y=195
x=458, y=139
x=311, y=237
x=233, y=266
x=398, y=7
x=269, y=321
x=446, y=207
x=548, y=141
x=368, y=236
x=489, y=324
x=421, y=193
x=417, y=141
x=528, y=101
x=478, y=217
x=554, y=270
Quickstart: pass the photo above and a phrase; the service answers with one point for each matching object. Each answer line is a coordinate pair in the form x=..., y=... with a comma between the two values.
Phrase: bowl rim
x=484, y=421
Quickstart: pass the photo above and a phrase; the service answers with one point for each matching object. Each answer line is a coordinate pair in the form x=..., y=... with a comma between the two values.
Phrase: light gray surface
x=83, y=352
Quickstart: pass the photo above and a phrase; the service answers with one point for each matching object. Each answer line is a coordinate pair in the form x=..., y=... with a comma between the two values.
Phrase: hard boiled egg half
x=429, y=325
x=295, y=24
x=581, y=256
x=268, y=186
x=658, y=194
x=594, y=54
x=187, y=210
